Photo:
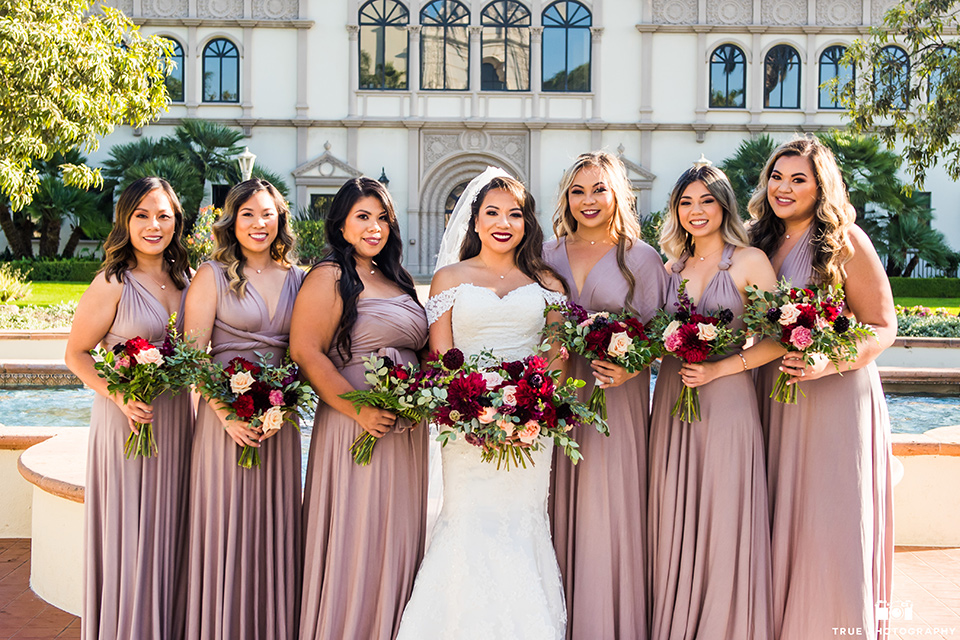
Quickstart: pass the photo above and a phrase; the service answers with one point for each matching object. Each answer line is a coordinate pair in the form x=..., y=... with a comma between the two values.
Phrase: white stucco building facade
x=429, y=92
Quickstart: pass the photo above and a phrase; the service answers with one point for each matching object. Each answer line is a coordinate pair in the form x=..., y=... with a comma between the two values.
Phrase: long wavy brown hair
x=118, y=253
x=529, y=252
x=833, y=216
x=226, y=247
x=624, y=224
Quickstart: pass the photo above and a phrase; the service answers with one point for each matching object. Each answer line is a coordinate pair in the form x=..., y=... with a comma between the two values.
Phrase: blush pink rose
x=240, y=382
x=506, y=425
x=276, y=397
x=619, y=344
x=672, y=342
x=493, y=379
x=272, y=419
x=510, y=395
x=529, y=432
x=487, y=415
x=789, y=314
x=706, y=331
x=149, y=356
x=671, y=329
x=801, y=338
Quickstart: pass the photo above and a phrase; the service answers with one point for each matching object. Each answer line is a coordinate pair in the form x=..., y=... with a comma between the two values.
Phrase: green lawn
x=45, y=294
x=951, y=304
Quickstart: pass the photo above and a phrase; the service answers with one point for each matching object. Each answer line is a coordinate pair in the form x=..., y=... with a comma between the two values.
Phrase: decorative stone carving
x=164, y=8
x=597, y=33
x=326, y=170
x=220, y=8
x=729, y=12
x=783, y=12
x=276, y=9
x=675, y=11
x=839, y=12
x=473, y=140
x=437, y=145
x=878, y=8
x=513, y=147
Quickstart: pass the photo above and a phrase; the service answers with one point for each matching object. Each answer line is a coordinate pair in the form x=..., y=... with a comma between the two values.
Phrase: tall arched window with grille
x=444, y=46
x=781, y=78
x=174, y=79
x=505, y=47
x=940, y=59
x=831, y=68
x=383, y=44
x=728, y=77
x=221, y=71
x=566, y=47
x=891, y=77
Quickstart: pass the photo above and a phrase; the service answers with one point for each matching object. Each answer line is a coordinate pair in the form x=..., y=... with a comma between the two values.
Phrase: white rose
x=272, y=419
x=706, y=332
x=240, y=382
x=493, y=379
x=619, y=344
x=149, y=356
x=671, y=329
x=789, y=314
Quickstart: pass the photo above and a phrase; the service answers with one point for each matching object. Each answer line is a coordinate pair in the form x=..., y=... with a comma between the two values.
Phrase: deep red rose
x=242, y=364
x=400, y=373
x=598, y=340
x=548, y=415
x=785, y=333
x=243, y=407
x=635, y=328
x=807, y=317
x=830, y=311
x=260, y=392
x=136, y=345
x=514, y=369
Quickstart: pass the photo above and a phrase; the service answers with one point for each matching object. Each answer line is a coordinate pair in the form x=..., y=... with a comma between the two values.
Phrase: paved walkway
x=926, y=597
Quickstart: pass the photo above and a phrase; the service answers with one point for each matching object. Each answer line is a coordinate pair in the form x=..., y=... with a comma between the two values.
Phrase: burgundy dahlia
x=453, y=359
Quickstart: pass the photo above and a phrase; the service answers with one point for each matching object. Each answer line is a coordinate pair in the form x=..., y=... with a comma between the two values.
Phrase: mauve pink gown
x=135, y=510
x=364, y=526
x=244, y=567
x=598, y=507
x=831, y=495
x=709, y=538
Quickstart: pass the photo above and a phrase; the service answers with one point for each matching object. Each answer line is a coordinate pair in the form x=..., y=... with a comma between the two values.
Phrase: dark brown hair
x=118, y=251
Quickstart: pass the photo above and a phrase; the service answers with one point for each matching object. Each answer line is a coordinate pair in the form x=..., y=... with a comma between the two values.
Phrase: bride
x=490, y=571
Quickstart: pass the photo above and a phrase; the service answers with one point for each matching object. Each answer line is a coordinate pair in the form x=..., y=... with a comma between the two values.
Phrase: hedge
x=58, y=270
x=311, y=240
x=925, y=287
x=928, y=326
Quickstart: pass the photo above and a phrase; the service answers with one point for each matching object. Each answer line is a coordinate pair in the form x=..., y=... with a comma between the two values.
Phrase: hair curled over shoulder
x=529, y=252
x=833, y=215
x=674, y=239
x=118, y=251
x=226, y=247
x=624, y=224
x=340, y=252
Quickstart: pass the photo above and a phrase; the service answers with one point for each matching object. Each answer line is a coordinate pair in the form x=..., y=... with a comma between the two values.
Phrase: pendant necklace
x=711, y=253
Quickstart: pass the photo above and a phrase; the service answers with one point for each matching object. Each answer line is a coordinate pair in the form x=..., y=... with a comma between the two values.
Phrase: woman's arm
x=441, y=331
x=552, y=356
x=311, y=335
x=95, y=314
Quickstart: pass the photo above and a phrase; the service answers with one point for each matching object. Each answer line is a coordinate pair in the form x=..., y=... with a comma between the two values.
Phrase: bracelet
x=743, y=359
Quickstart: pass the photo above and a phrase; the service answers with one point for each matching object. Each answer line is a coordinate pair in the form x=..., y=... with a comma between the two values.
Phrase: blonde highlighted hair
x=624, y=224
x=833, y=215
x=675, y=241
x=226, y=247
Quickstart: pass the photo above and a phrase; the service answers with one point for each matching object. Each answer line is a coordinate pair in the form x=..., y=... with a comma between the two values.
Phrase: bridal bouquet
x=142, y=371
x=804, y=321
x=693, y=337
x=617, y=338
x=504, y=407
x=402, y=389
x=265, y=396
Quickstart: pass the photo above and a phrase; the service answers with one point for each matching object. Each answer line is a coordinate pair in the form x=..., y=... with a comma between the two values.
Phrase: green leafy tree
x=927, y=129
x=69, y=76
x=744, y=167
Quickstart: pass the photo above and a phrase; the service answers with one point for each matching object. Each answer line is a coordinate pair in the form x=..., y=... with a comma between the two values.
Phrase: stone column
x=246, y=88
x=353, y=37
x=536, y=69
x=413, y=68
x=475, y=63
x=193, y=73
x=303, y=67
x=596, y=33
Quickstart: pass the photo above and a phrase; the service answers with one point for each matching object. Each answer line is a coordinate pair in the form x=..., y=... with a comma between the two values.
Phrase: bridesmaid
x=244, y=573
x=363, y=526
x=709, y=540
x=828, y=456
x=598, y=509
x=135, y=510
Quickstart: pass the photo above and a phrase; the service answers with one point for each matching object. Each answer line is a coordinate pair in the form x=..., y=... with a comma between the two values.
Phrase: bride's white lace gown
x=490, y=571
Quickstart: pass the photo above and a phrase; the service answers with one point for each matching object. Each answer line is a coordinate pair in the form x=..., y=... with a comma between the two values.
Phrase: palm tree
x=210, y=147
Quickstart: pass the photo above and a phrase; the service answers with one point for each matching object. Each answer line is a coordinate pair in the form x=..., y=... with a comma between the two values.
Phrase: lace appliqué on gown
x=490, y=572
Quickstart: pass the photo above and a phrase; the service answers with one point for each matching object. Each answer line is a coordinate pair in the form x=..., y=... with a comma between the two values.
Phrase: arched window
x=221, y=71
x=891, y=77
x=451, y=201
x=174, y=79
x=383, y=45
x=444, y=46
x=830, y=68
x=566, y=47
x=728, y=77
x=781, y=78
x=505, y=47
x=941, y=60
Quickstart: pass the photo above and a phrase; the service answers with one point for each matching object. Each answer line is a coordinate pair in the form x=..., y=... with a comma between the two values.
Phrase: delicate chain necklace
x=592, y=242
x=163, y=287
x=703, y=257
